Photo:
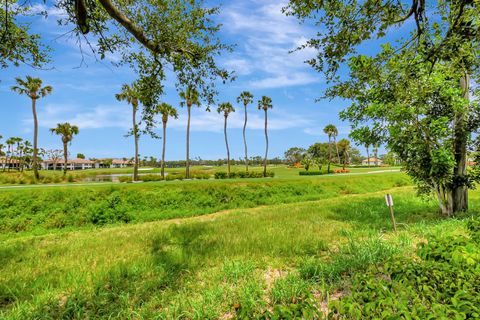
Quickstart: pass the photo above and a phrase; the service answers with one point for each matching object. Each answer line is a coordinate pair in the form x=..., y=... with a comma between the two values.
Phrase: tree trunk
x=329, y=153
x=187, y=163
x=368, y=156
x=35, y=140
x=163, y=148
x=376, y=156
x=245, y=138
x=65, y=158
x=135, y=136
x=228, y=149
x=266, y=146
x=460, y=190
x=445, y=200
x=336, y=147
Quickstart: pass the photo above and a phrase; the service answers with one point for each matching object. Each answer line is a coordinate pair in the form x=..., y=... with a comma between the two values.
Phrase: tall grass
x=43, y=209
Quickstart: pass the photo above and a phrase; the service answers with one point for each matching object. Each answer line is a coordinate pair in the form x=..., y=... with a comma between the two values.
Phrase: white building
x=372, y=161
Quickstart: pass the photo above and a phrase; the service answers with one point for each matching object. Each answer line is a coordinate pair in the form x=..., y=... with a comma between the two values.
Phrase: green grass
x=45, y=209
x=298, y=243
x=88, y=176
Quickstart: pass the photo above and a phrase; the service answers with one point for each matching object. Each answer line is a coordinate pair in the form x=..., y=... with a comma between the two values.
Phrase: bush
x=243, y=175
x=341, y=171
x=442, y=282
x=310, y=173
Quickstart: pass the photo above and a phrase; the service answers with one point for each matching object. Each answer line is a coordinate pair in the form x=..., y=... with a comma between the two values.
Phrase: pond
x=114, y=177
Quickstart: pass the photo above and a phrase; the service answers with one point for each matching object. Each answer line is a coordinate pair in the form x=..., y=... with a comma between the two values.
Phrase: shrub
x=125, y=179
x=441, y=283
x=243, y=175
x=341, y=171
x=310, y=173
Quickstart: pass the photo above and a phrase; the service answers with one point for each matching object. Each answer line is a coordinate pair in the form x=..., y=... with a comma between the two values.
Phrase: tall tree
x=32, y=88
x=226, y=108
x=66, y=131
x=190, y=97
x=344, y=146
x=131, y=95
x=443, y=37
x=246, y=98
x=166, y=111
x=264, y=104
x=331, y=131
x=10, y=142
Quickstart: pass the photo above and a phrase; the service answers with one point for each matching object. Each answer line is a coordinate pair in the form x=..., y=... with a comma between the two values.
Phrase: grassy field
x=266, y=249
x=82, y=176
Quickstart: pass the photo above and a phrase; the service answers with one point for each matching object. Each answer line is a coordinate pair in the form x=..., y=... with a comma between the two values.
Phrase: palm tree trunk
x=228, y=149
x=336, y=147
x=163, y=148
x=187, y=163
x=329, y=153
x=6, y=160
x=65, y=158
x=245, y=138
x=135, y=135
x=266, y=146
x=35, y=140
x=376, y=156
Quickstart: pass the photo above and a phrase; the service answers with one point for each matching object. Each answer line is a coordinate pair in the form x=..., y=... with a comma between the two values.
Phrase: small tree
x=189, y=98
x=294, y=155
x=131, y=95
x=32, y=88
x=264, y=104
x=166, y=111
x=66, y=131
x=245, y=98
x=226, y=108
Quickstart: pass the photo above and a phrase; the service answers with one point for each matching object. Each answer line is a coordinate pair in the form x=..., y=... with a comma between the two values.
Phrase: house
x=113, y=163
x=372, y=161
x=9, y=163
x=72, y=164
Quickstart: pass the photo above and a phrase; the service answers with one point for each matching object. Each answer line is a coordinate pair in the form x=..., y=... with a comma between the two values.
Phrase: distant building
x=6, y=163
x=72, y=164
x=84, y=164
x=113, y=163
x=372, y=161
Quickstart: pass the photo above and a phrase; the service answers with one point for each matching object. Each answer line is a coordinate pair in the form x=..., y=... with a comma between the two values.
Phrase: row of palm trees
x=190, y=98
x=33, y=88
x=15, y=149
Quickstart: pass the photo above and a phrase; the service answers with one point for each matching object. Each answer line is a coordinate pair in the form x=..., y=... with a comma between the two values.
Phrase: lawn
x=263, y=249
x=88, y=176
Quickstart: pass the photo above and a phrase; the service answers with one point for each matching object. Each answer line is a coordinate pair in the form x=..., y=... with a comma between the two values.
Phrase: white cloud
x=265, y=38
x=213, y=122
x=101, y=116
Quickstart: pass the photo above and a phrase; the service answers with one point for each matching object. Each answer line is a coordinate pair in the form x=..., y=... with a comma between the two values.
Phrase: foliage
x=310, y=173
x=45, y=209
x=442, y=282
x=243, y=175
x=294, y=155
x=17, y=44
x=341, y=171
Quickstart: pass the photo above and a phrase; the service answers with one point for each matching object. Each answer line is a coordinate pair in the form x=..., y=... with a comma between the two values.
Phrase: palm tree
x=166, y=111
x=131, y=96
x=66, y=131
x=331, y=131
x=226, y=108
x=345, y=150
x=9, y=154
x=32, y=87
x=18, y=151
x=265, y=103
x=367, y=146
x=190, y=97
x=246, y=98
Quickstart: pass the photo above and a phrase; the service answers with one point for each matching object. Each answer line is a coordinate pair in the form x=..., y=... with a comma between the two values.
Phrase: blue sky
x=84, y=93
